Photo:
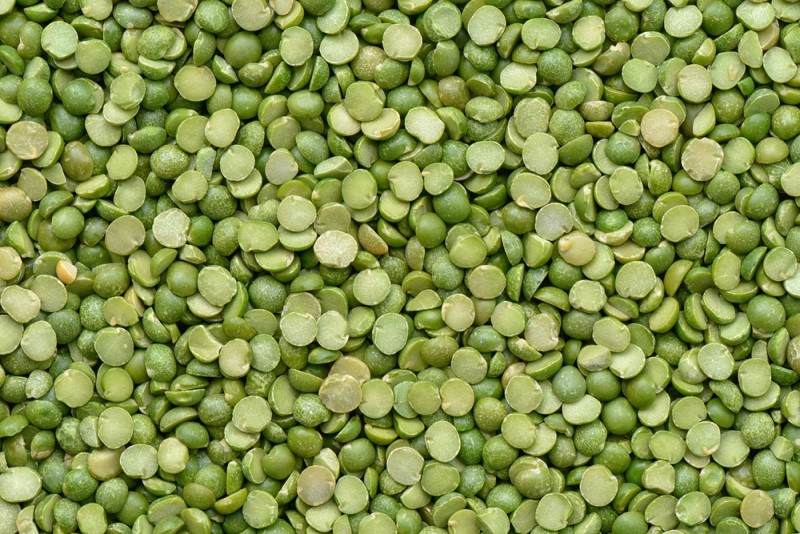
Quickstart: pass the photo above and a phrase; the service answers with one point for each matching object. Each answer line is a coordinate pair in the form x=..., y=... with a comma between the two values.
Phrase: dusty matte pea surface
x=399, y=267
